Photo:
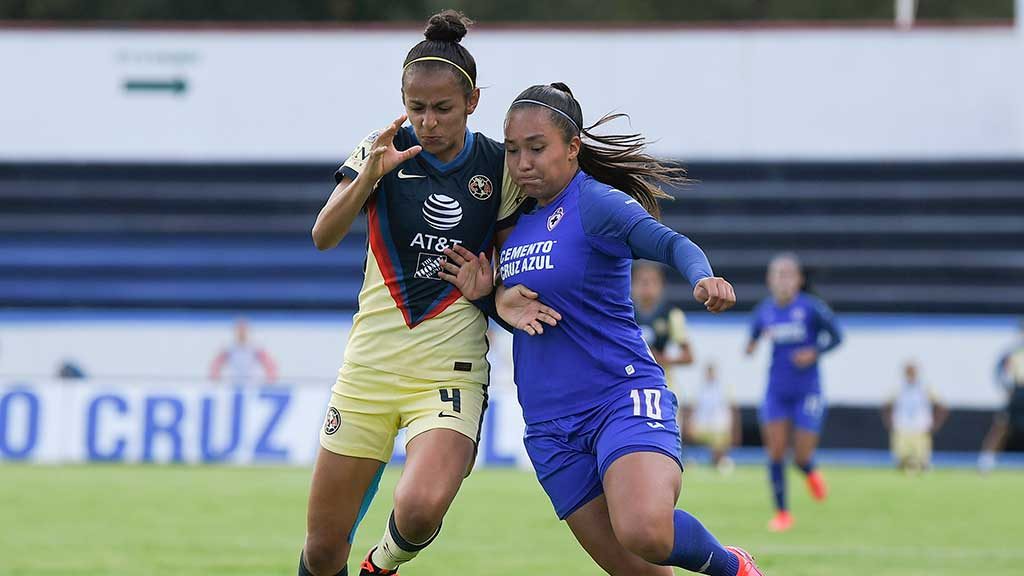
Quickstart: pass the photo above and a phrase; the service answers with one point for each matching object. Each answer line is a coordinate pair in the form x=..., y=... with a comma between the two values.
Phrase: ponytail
x=618, y=160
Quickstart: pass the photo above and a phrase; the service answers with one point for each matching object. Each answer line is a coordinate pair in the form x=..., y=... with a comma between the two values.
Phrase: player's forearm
x=336, y=217
x=652, y=240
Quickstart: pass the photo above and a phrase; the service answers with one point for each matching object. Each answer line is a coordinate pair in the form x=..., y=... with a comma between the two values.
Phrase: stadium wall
x=310, y=95
x=147, y=397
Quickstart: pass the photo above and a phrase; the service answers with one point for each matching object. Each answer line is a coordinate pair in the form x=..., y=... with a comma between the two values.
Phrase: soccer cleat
x=368, y=568
x=816, y=484
x=747, y=565
x=782, y=521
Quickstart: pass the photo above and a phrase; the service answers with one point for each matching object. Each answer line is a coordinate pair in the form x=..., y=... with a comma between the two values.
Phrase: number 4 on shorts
x=453, y=396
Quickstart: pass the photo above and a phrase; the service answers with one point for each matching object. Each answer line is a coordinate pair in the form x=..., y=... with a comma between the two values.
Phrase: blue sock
x=777, y=472
x=806, y=468
x=696, y=550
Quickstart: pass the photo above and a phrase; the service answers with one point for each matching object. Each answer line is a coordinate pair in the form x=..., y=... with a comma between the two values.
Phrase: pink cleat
x=747, y=565
x=782, y=521
x=816, y=485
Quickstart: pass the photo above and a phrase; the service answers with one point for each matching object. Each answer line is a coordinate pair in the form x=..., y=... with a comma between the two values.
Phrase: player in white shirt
x=912, y=415
x=242, y=363
x=713, y=419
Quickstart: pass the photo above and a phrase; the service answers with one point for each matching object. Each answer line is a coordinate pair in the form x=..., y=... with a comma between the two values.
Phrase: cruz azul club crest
x=555, y=218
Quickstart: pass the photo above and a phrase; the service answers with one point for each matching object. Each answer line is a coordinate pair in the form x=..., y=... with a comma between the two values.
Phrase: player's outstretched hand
x=520, y=307
x=470, y=273
x=384, y=157
x=716, y=294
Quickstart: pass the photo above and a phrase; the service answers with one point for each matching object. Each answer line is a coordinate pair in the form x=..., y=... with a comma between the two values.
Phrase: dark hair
x=443, y=33
x=618, y=160
x=805, y=285
x=640, y=264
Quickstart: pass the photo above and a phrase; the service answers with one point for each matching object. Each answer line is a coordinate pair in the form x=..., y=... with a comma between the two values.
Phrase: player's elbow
x=322, y=240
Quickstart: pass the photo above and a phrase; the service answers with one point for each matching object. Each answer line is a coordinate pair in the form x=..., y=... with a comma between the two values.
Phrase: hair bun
x=447, y=26
x=562, y=87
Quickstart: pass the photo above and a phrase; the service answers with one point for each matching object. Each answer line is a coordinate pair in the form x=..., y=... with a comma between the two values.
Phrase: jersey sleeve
x=608, y=217
x=677, y=327
x=827, y=323
x=512, y=199
x=757, y=322
x=357, y=160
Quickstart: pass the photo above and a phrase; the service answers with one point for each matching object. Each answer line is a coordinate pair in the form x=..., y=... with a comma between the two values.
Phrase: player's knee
x=324, y=555
x=646, y=539
x=419, y=511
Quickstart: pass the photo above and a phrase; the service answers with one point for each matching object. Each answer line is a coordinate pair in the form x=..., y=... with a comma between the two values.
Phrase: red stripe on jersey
x=442, y=305
x=387, y=269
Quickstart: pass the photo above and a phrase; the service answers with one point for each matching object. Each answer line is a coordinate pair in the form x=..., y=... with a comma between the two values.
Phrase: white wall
x=956, y=355
x=712, y=94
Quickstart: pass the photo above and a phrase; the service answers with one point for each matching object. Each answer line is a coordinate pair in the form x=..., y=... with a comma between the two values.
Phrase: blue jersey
x=574, y=252
x=800, y=324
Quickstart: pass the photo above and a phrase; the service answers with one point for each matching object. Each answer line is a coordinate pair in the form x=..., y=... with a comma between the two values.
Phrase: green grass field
x=212, y=521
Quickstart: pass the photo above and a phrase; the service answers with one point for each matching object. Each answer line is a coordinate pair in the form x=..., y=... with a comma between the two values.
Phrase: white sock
x=393, y=550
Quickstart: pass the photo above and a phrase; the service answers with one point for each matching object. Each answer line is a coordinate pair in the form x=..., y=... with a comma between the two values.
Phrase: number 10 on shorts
x=652, y=400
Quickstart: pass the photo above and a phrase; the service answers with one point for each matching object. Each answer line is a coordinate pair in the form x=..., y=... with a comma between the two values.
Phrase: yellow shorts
x=719, y=440
x=368, y=407
x=912, y=446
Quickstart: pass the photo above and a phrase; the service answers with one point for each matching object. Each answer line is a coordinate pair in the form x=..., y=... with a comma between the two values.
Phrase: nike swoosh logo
x=654, y=425
x=706, y=564
x=403, y=176
x=441, y=414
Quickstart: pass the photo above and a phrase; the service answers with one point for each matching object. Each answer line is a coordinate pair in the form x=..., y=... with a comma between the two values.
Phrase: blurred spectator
x=1010, y=421
x=663, y=326
x=240, y=363
x=713, y=420
x=912, y=416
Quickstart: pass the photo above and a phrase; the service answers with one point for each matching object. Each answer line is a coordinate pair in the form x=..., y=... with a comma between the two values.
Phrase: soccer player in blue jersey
x=415, y=357
x=801, y=328
x=600, y=422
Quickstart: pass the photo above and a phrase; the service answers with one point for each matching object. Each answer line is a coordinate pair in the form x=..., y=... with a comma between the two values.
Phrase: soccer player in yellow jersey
x=663, y=325
x=416, y=353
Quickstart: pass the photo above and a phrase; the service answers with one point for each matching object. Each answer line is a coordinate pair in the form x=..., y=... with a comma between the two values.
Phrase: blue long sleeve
x=619, y=226
x=827, y=324
x=652, y=240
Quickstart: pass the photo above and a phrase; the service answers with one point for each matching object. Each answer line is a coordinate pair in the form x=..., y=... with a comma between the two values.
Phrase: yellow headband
x=439, y=59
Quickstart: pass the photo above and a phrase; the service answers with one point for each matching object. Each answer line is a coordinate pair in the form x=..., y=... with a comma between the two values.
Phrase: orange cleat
x=747, y=565
x=782, y=521
x=816, y=485
x=368, y=568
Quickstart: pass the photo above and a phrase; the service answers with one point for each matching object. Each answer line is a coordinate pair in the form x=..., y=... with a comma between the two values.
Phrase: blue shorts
x=572, y=453
x=806, y=411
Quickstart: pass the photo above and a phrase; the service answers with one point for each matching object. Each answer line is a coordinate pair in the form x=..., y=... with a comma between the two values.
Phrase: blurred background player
x=912, y=416
x=663, y=325
x=1008, y=423
x=243, y=363
x=801, y=328
x=713, y=419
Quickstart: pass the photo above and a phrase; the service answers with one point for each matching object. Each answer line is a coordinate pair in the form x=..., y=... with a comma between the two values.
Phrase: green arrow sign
x=176, y=86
